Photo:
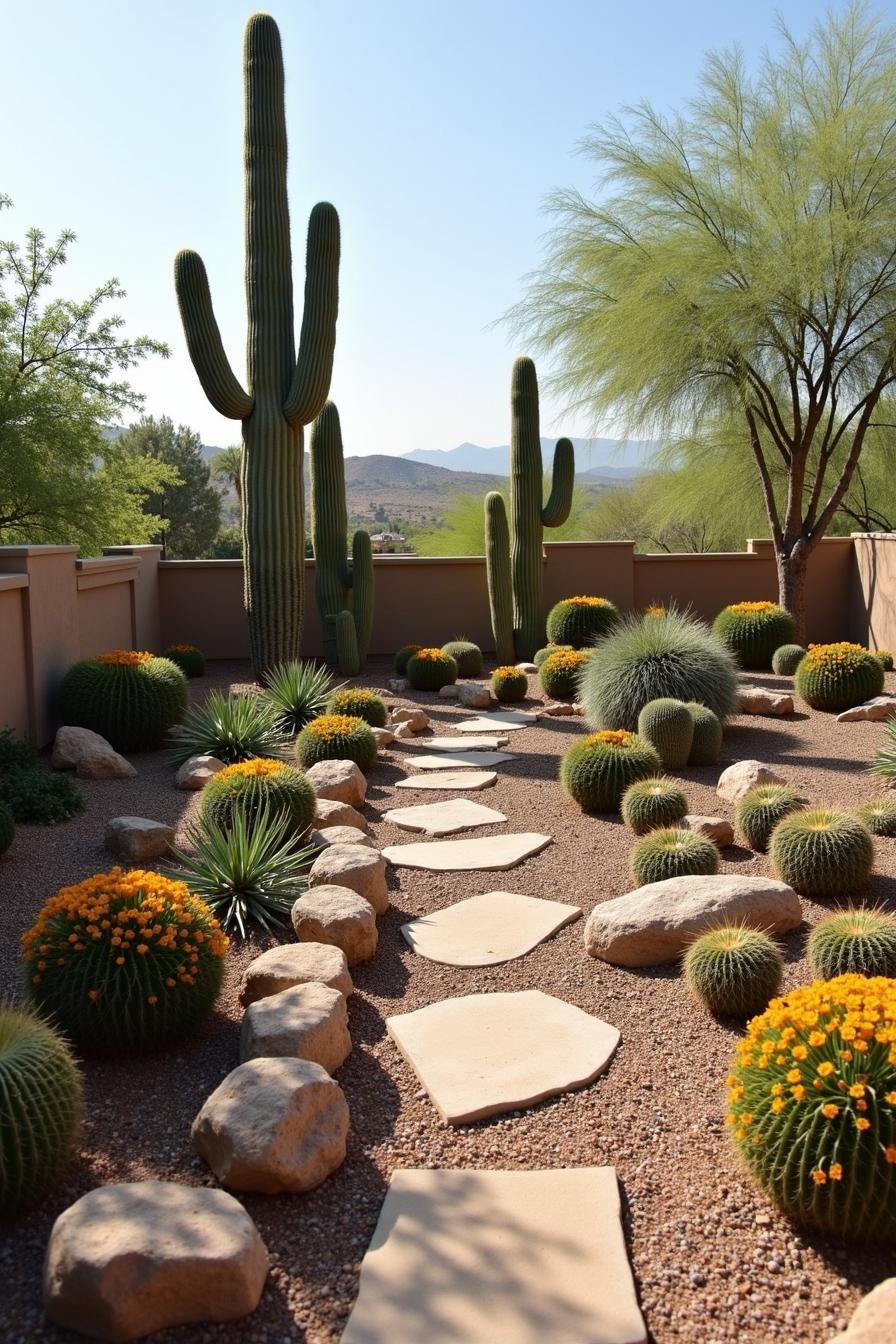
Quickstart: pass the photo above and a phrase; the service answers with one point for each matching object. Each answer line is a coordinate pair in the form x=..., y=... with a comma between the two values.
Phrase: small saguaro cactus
x=284, y=391
x=513, y=555
x=346, y=633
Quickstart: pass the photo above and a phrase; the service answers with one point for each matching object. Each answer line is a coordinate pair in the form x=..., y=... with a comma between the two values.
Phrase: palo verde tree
x=741, y=266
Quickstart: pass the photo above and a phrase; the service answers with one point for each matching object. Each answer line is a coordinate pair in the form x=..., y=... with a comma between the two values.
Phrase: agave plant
x=231, y=727
x=884, y=763
x=299, y=692
x=251, y=873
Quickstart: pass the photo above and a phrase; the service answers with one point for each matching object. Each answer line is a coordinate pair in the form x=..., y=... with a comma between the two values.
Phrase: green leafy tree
x=190, y=504
x=742, y=265
x=462, y=531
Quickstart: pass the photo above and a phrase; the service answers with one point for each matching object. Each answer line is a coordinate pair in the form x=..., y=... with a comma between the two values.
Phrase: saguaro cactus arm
x=314, y=364
x=497, y=565
x=556, y=511
x=219, y=383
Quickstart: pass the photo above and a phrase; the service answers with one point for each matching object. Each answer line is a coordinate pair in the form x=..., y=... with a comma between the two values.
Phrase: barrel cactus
x=466, y=654
x=125, y=961
x=598, y=769
x=879, y=815
x=542, y=655
x=822, y=853
x=668, y=725
x=787, y=658
x=671, y=851
x=812, y=1106
x=652, y=803
x=42, y=1103
x=837, y=676
x=403, y=657
x=579, y=621
x=753, y=631
x=707, y=742
x=760, y=810
x=256, y=786
x=509, y=685
x=127, y=696
x=360, y=703
x=7, y=828
x=734, y=970
x=430, y=670
x=854, y=941
x=559, y=674
x=188, y=658
x=336, y=737
x=885, y=658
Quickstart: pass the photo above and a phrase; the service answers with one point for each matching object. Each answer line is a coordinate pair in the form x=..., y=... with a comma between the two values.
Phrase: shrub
x=430, y=670
x=559, y=674
x=125, y=961
x=188, y=658
x=812, y=1105
x=42, y=1102
x=879, y=815
x=754, y=630
x=359, y=703
x=257, y=785
x=15, y=754
x=837, y=676
x=128, y=697
x=734, y=970
x=853, y=942
x=648, y=659
x=403, y=657
x=298, y=692
x=579, y=621
x=885, y=658
x=509, y=684
x=651, y=803
x=884, y=763
x=467, y=655
x=787, y=658
x=7, y=828
x=668, y=725
x=760, y=810
x=707, y=743
x=542, y=654
x=672, y=851
x=597, y=771
x=336, y=737
x=231, y=727
x=822, y=853
x=38, y=797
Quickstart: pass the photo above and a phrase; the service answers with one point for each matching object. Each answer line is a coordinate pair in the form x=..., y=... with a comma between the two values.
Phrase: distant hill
x=603, y=459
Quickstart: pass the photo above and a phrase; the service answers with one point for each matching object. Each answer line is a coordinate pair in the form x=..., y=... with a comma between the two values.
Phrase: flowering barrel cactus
x=753, y=631
x=128, y=696
x=431, y=669
x=336, y=737
x=837, y=676
x=579, y=621
x=598, y=769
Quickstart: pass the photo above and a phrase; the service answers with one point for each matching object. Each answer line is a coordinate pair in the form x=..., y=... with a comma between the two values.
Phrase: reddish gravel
x=713, y=1261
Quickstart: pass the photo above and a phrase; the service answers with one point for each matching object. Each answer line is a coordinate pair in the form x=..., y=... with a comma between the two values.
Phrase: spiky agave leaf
x=884, y=763
x=298, y=691
x=231, y=727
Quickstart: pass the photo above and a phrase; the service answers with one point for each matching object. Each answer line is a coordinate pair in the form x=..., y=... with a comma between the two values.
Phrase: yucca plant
x=298, y=691
x=884, y=763
x=230, y=727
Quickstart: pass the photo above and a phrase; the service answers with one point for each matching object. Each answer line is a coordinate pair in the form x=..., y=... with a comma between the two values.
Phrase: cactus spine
x=346, y=634
x=284, y=391
x=519, y=629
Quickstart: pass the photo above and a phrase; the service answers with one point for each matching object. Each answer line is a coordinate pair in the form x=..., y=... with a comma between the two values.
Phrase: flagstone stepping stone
x=452, y=759
x=462, y=743
x=521, y=1257
x=360, y=869
x=337, y=916
x=482, y=1054
x=487, y=853
x=291, y=964
x=306, y=1022
x=450, y=779
x=483, y=930
x=445, y=817
x=505, y=720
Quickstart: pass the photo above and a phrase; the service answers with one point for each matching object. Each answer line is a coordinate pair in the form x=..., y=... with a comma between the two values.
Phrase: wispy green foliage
x=463, y=529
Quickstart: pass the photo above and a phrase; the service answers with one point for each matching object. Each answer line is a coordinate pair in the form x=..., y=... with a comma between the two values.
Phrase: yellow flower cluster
x=609, y=737
x=841, y=657
x=567, y=660
x=328, y=726
x=586, y=601
x=430, y=655
x=655, y=609
x=258, y=765
x=508, y=670
x=183, y=648
x=355, y=695
x=750, y=608
x=124, y=657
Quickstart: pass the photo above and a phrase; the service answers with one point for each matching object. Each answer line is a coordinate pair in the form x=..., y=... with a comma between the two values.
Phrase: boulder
x=291, y=964
x=874, y=1319
x=762, y=700
x=449, y=692
x=127, y=1260
x=330, y=812
x=528, y=668
x=402, y=731
x=355, y=867
x=342, y=835
x=398, y=685
x=559, y=710
x=273, y=1126
x=411, y=715
x=106, y=764
x=879, y=707
x=473, y=696
x=716, y=829
x=342, y=781
x=654, y=925
x=71, y=744
x=137, y=839
x=339, y=917
x=383, y=736
x=196, y=772
x=306, y=1022
x=739, y=778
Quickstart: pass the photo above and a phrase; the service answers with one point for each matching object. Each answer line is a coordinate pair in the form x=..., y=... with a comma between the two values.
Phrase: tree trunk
x=792, y=562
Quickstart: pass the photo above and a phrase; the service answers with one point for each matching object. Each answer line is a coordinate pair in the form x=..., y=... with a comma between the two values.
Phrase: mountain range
x=601, y=459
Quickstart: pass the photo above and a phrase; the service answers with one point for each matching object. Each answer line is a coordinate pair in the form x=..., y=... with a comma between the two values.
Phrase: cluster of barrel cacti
x=336, y=737
x=256, y=786
x=360, y=703
x=128, y=696
x=466, y=654
x=835, y=677
x=598, y=769
x=734, y=970
x=684, y=733
x=579, y=621
x=753, y=631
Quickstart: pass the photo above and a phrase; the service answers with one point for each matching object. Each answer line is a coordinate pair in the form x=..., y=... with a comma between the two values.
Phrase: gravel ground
x=712, y=1259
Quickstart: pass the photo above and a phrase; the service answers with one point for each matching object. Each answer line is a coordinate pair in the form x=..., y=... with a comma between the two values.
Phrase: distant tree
x=743, y=266
x=462, y=531
x=227, y=545
x=226, y=468
x=191, y=504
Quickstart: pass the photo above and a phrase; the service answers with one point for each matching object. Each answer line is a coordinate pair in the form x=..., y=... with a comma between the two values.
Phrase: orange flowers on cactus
x=258, y=765
x=124, y=657
x=748, y=608
x=609, y=737
x=328, y=726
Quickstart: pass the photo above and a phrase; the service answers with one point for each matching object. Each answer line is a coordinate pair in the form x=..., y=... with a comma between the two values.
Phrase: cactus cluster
x=879, y=815
x=255, y=786
x=835, y=677
x=336, y=737
x=125, y=961
x=753, y=631
x=812, y=1106
x=402, y=657
x=430, y=670
x=854, y=941
x=466, y=654
x=559, y=674
x=653, y=803
x=669, y=726
x=734, y=970
x=671, y=851
x=514, y=562
x=760, y=810
x=188, y=658
x=707, y=741
x=787, y=658
x=41, y=1088
x=129, y=697
x=579, y=621
x=509, y=684
x=598, y=769
x=822, y=853
x=360, y=703
x=7, y=828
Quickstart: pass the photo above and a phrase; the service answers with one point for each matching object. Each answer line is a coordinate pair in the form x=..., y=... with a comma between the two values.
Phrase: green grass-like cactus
x=835, y=677
x=598, y=769
x=787, y=658
x=707, y=741
x=467, y=655
x=669, y=726
x=879, y=815
x=7, y=828
x=559, y=674
x=753, y=631
x=579, y=621
x=734, y=970
x=430, y=670
x=541, y=655
x=128, y=697
x=402, y=657
x=509, y=685
x=336, y=737
x=232, y=728
x=854, y=941
x=125, y=961
x=671, y=851
x=360, y=703
x=188, y=658
x=759, y=812
x=812, y=1116
x=41, y=1088
x=822, y=853
x=884, y=657
x=256, y=786
x=652, y=803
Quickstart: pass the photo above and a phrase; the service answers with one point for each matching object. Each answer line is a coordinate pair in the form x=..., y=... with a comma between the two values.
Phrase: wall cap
x=37, y=550
x=8, y=581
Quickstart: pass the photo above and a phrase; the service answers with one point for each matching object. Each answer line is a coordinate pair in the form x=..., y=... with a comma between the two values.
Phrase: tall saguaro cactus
x=514, y=556
x=346, y=632
x=285, y=390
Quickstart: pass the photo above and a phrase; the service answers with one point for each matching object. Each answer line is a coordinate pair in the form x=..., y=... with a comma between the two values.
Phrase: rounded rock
x=743, y=776
x=293, y=964
x=330, y=812
x=306, y=1022
x=342, y=835
x=339, y=917
x=353, y=866
x=339, y=781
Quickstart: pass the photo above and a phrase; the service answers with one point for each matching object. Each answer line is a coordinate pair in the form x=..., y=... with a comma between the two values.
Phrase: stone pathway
x=507, y=721
x=484, y=930
x=489, y=853
x=450, y=779
x=461, y=743
x=445, y=817
x=450, y=762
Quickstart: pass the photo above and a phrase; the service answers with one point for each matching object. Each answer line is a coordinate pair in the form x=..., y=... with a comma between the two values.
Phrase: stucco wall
x=873, y=590
x=14, y=658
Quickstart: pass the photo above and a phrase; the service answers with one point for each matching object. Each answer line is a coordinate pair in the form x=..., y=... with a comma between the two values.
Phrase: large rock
x=449, y=692
x=559, y=710
x=472, y=695
x=352, y=866
x=339, y=917
x=655, y=924
x=402, y=732
x=762, y=700
x=138, y=839
x=340, y=780
x=383, y=736
x=716, y=829
x=104, y=765
x=330, y=812
x=306, y=1022
x=273, y=1125
x=71, y=744
x=739, y=778
x=876, y=709
x=196, y=772
x=874, y=1319
x=416, y=719
x=342, y=835
x=291, y=964
x=127, y=1260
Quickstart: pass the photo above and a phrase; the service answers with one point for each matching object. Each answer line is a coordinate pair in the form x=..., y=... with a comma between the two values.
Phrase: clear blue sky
x=436, y=129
